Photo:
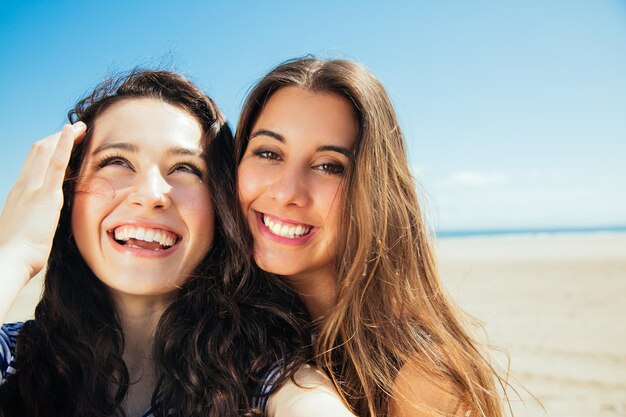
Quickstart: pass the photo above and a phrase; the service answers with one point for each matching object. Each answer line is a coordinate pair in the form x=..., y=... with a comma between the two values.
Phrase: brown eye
x=266, y=154
x=330, y=168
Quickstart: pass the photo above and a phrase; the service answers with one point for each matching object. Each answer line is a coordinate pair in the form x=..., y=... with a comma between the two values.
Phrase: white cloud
x=533, y=205
x=474, y=179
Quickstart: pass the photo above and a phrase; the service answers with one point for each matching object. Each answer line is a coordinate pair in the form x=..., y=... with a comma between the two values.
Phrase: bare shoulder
x=312, y=394
x=417, y=394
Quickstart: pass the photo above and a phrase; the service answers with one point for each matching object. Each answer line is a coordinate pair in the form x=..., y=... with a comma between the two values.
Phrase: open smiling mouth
x=144, y=238
x=288, y=230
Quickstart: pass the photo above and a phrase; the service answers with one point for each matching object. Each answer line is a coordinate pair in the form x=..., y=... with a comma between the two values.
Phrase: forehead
x=146, y=121
x=304, y=115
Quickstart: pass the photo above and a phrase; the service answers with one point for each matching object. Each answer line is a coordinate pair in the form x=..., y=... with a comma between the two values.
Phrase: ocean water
x=444, y=234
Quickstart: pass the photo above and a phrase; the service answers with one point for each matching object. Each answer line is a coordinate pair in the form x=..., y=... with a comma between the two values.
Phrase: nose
x=151, y=190
x=290, y=188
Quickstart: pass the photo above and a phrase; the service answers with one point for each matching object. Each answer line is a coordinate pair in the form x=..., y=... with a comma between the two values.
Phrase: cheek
x=92, y=197
x=96, y=192
x=249, y=185
x=85, y=211
x=197, y=210
x=332, y=201
x=192, y=199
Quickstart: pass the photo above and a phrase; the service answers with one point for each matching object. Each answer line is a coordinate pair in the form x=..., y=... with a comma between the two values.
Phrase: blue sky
x=514, y=112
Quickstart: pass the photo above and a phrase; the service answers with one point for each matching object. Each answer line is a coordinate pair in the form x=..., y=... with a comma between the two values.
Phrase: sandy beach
x=555, y=303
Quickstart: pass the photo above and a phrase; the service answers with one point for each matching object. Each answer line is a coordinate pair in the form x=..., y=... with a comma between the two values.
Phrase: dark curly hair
x=227, y=328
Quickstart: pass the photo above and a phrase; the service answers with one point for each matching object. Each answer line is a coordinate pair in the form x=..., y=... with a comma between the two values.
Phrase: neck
x=139, y=316
x=318, y=292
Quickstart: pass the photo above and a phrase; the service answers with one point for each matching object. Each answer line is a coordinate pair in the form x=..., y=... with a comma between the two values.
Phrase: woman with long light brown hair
x=331, y=206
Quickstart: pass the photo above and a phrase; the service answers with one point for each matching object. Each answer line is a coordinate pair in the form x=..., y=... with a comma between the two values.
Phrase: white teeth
x=163, y=237
x=285, y=230
x=149, y=236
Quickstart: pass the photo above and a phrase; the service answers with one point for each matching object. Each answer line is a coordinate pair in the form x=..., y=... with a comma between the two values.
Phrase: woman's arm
x=31, y=212
x=312, y=395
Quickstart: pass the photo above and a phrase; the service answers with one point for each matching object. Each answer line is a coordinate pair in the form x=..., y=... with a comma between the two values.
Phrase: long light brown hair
x=391, y=307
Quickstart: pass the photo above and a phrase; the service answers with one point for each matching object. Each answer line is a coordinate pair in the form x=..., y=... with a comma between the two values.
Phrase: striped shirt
x=8, y=339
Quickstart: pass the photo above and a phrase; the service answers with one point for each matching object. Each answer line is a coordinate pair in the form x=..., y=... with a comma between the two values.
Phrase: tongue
x=144, y=245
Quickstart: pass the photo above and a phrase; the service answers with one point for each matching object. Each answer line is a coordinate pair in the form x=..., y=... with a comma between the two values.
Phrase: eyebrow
x=129, y=147
x=340, y=149
x=115, y=145
x=180, y=150
x=333, y=148
x=266, y=132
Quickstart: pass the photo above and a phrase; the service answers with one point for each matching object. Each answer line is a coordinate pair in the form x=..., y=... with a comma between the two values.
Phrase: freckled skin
x=148, y=184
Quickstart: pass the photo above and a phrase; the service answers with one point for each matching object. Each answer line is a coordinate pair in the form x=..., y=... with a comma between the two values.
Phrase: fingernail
x=79, y=125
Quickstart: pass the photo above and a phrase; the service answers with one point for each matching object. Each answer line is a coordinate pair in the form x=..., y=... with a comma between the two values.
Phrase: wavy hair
x=391, y=307
x=69, y=359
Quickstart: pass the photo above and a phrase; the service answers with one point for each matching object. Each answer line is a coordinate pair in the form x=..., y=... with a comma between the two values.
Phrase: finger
x=80, y=128
x=57, y=167
x=38, y=159
x=36, y=162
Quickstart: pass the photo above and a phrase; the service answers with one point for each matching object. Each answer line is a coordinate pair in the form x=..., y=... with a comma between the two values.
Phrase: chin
x=146, y=286
x=273, y=267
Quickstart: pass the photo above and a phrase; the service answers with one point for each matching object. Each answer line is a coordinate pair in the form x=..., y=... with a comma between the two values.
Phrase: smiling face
x=142, y=214
x=290, y=178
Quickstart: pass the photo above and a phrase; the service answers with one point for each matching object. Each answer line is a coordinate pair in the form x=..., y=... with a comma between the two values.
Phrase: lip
x=140, y=252
x=280, y=239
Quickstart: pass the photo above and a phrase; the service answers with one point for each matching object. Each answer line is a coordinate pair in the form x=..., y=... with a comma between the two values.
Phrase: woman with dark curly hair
x=150, y=306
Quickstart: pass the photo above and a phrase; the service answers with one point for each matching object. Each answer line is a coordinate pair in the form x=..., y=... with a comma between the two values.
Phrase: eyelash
x=113, y=159
x=193, y=168
x=331, y=168
x=265, y=154
x=328, y=168
x=109, y=159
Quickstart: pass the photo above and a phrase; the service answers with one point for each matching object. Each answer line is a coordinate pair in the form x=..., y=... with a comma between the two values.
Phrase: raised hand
x=31, y=212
